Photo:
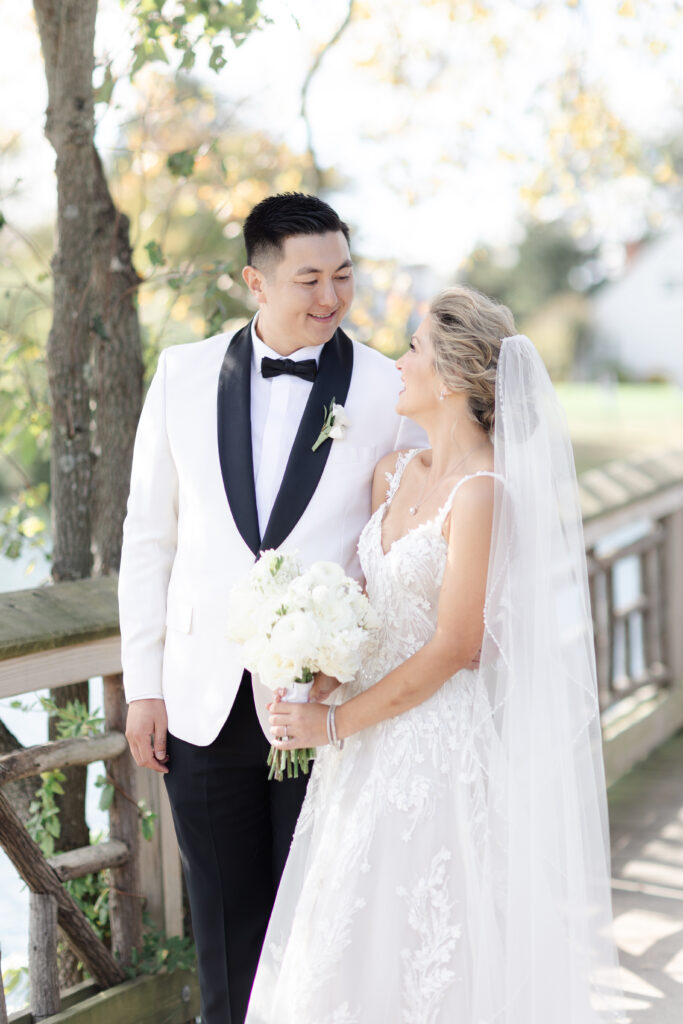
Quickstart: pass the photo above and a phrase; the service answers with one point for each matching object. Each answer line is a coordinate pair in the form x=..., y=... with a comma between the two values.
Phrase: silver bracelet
x=332, y=728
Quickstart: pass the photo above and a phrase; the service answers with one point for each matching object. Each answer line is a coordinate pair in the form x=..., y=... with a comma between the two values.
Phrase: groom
x=224, y=468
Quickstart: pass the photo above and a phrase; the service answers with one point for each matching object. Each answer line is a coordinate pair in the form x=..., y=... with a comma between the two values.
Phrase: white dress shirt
x=277, y=405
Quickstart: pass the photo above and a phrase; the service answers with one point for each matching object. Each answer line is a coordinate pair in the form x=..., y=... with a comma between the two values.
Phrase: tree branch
x=305, y=88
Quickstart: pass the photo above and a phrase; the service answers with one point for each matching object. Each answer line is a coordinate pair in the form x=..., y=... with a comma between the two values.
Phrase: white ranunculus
x=288, y=620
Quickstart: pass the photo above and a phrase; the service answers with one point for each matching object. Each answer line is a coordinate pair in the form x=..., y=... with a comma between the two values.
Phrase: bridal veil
x=542, y=947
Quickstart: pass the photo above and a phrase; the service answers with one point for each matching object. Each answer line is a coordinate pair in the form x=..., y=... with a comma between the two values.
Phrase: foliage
x=161, y=952
x=21, y=522
x=15, y=978
x=91, y=893
x=185, y=26
x=43, y=824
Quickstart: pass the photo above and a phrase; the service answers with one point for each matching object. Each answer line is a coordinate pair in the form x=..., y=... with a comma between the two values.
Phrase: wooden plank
x=630, y=739
x=53, y=668
x=150, y=999
x=57, y=616
x=655, y=506
x=44, y=757
x=42, y=955
x=70, y=996
x=87, y=859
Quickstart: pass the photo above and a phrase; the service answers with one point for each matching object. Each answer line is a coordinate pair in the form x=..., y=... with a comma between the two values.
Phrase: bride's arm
x=454, y=645
x=460, y=621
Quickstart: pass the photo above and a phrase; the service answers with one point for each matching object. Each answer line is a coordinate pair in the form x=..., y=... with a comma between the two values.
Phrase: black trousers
x=234, y=830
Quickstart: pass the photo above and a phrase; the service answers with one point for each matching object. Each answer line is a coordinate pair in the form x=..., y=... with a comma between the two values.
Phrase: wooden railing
x=52, y=637
x=633, y=525
x=633, y=516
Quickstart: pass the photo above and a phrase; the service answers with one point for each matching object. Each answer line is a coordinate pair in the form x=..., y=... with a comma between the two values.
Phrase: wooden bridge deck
x=646, y=820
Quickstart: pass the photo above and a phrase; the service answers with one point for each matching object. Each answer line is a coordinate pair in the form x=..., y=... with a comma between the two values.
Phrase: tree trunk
x=117, y=384
x=23, y=791
x=67, y=36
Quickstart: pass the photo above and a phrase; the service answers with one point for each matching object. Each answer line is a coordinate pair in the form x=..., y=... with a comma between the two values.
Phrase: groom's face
x=305, y=295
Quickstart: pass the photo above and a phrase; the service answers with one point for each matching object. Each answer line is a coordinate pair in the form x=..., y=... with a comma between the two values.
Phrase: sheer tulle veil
x=542, y=950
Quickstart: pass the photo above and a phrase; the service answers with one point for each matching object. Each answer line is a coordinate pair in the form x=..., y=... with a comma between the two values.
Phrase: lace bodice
x=403, y=584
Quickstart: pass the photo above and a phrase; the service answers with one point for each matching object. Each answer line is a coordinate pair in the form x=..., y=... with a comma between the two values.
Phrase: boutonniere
x=335, y=423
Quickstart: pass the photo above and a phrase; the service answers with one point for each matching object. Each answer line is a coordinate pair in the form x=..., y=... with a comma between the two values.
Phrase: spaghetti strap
x=443, y=512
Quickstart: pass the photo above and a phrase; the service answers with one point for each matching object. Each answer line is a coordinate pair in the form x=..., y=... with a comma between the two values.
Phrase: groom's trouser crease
x=234, y=830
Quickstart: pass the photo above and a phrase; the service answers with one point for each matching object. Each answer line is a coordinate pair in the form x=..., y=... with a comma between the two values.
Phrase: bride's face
x=421, y=385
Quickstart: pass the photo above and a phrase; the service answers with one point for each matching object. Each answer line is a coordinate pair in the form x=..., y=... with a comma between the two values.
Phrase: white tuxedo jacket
x=192, y=525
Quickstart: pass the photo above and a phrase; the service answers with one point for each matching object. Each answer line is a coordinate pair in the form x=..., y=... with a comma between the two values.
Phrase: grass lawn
x=615, y=421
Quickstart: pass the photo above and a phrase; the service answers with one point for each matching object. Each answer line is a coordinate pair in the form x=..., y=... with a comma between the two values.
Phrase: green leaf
x=103, y=92
x=217, y=60
x=106, y=797
x=2, y=219
x=156, y=256
x=181, y=164
x=188, y=61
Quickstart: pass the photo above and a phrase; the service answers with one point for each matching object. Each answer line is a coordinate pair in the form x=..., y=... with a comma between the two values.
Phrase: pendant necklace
x=414, y=509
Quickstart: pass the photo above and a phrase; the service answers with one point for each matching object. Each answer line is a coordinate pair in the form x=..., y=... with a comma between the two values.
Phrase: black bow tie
x=304, y=368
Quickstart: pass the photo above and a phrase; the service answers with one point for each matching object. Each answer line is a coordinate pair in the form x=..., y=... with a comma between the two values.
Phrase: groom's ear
x=254, y=280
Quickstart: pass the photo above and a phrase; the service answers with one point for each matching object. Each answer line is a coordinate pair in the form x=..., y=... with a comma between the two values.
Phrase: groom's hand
x=322, y=687
x=146, y=728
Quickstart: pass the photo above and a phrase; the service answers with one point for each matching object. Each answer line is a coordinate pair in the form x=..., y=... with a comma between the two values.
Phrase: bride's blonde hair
x=466, y=330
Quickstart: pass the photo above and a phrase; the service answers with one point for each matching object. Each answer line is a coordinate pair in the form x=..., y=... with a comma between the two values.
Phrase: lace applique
x=426, y=975
x=342, y=1015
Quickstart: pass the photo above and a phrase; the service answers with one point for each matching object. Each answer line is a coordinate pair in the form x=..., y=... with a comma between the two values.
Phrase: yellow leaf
x=627, y=9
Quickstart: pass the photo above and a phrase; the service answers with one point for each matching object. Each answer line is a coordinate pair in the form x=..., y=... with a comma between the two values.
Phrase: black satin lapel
x=305, y=467
x=234, y=436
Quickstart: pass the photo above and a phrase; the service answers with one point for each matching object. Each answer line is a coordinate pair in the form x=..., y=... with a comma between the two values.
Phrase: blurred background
x=533, y=149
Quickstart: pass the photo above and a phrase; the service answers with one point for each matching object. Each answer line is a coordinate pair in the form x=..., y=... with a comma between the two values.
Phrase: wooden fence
x=51, y=637
x=633, y=518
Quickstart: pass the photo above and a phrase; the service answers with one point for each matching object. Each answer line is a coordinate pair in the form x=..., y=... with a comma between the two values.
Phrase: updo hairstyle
x=466, y=330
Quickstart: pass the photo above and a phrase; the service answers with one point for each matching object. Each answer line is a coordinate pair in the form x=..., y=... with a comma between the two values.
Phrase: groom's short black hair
x=280, y=217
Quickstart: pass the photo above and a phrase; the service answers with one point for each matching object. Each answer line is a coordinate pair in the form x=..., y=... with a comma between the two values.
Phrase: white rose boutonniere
x=335, y=423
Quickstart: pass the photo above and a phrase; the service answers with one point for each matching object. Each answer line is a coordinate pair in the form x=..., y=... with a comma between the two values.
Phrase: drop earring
x=442, y=395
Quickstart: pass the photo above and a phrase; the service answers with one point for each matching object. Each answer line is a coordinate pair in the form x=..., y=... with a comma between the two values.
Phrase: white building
x=638, y=320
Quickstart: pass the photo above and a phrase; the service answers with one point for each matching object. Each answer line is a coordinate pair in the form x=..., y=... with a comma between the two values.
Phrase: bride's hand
x=305, y=725
x=323, y=687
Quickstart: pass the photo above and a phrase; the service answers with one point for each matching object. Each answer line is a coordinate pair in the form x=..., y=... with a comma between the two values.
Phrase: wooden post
x=160, y=870
x=125, y=899
x=3, y=1004
x=42, y=955
x=674, y=596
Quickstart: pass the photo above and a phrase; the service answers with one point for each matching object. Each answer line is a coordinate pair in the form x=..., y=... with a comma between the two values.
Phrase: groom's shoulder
x=195, y=352
x=369, y=361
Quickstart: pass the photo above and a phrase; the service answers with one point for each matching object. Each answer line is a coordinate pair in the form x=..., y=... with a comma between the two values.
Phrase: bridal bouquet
x=293, y=623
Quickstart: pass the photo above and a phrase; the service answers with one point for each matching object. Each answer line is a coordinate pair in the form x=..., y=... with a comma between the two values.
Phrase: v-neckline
x=413, y=529
x=384, y=508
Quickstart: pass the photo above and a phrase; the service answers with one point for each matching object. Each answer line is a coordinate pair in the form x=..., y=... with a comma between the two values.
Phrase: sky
x=429, y=171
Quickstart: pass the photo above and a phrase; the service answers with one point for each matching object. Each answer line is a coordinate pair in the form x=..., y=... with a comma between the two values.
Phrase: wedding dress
x=370, y=923
x=450, y=864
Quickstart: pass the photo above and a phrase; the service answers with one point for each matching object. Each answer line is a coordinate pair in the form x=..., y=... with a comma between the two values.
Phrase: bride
x=451, y=861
